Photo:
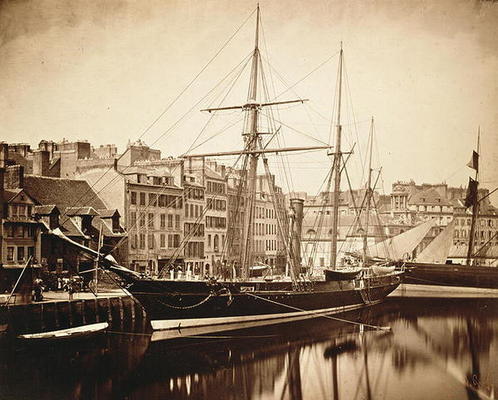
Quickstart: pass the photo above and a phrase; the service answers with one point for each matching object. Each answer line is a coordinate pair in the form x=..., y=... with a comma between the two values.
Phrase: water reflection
x=442, y=349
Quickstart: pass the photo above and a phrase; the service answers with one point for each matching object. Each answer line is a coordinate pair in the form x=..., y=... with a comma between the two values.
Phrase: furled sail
x=398, y=247
x=437, y=251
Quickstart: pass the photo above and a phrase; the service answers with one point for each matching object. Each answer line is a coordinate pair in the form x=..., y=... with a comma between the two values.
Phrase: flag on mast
x=474, y=161
x=471, y=197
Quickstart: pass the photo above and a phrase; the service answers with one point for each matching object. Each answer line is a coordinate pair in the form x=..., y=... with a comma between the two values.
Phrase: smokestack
x=297, y=206
x=41, y=162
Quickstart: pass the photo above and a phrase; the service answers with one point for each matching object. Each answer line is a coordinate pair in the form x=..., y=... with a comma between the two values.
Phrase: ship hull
x=451, y=275
x=174, y=304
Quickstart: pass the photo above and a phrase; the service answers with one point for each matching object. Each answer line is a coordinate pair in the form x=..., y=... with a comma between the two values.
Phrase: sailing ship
x=223, y=303
x=435, y=265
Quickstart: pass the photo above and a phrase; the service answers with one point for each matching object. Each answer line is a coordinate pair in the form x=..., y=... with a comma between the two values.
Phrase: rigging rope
x=171, y=104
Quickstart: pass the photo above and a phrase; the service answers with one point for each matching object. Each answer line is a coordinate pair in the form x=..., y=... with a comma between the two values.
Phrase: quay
x=410, y=290
x=57, y=311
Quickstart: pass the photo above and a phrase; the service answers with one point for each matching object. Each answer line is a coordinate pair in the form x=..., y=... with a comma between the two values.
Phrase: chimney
x=41, y=162
x=297, y=226
x=14, y=177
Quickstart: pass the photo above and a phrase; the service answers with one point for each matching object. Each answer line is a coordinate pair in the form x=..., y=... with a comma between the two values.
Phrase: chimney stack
x=41, y=162
x=297, y=206
x=14, y=177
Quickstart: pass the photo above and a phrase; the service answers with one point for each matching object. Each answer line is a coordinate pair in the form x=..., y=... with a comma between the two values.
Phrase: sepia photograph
x=226, y=199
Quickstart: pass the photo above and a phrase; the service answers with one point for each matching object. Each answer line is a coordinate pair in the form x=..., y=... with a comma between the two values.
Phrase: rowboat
x=79, y=332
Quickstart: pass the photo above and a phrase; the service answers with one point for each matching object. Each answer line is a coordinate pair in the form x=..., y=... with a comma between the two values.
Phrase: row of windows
x=196, y=194
x=270, y=213
x=194, y=250
x=20, y=231
x=20, y=210
x=236, y=218
x=193, y=210
x=480, y=221
x=215, y=204
x=165, y=220
x=216, y=222
x=478, y=234
x=259, y=212
x=217, y=245
x=156, y=200
x=215, y=187
x=271, y=229
x=236, y=201
x=271, y=245
x=433, y=208
x=197, y=230
x=19, y=253
x=139, y=241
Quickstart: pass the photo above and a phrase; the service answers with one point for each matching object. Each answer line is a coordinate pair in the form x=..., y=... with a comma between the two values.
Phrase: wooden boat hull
x=451, y=275
x=185, y=304
x=341, y=275
x=76, y=333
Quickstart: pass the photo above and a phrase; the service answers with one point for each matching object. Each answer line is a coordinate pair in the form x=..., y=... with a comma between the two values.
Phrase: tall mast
x=251, y=139
x=475, y=208
x=337, y=171
x=369, y=192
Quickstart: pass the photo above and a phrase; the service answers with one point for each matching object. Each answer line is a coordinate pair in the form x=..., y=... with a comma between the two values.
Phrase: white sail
x=398, y=247
x=437, y=251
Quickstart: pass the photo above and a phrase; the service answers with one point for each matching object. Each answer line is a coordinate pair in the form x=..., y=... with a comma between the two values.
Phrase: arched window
x=216, y=242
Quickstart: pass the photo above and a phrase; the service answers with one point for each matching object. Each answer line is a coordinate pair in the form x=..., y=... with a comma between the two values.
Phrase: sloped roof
x=9, y=194
x=212, y=174
x=80, y=211
x=45, y=210
x=106, y=225
x=19, y=159
x=428, y=196
x=108, y=213
x=61, y=192
x=70, y=228
x=160, y=172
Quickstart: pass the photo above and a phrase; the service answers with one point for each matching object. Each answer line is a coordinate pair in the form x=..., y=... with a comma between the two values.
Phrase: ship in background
x=473, y=261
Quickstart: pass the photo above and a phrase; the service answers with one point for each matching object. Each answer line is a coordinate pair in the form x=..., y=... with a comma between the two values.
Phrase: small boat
x=383, y=269
x=78, y=332
x=343, y=274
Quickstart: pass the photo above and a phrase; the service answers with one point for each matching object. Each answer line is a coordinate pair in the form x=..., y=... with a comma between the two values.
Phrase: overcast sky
x=104, y=70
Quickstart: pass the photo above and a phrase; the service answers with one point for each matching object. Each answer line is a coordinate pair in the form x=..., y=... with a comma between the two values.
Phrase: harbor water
x=434, y=349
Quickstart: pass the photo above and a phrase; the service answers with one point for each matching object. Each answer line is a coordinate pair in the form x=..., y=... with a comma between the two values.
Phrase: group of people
x=71, y=285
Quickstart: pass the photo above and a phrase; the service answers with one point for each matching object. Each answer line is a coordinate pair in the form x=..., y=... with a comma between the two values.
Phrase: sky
x=106, y=71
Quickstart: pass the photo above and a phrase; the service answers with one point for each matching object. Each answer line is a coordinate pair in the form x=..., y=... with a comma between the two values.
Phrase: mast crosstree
x=253, y=149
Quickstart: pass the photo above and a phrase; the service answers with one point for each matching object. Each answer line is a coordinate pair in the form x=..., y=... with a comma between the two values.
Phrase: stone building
x=35, y=205
x=194, y=226
x=151, y=202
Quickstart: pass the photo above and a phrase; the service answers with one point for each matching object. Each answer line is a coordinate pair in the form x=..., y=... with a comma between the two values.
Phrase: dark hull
x=338, y=275
x=451, y=275
x=198, y=303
